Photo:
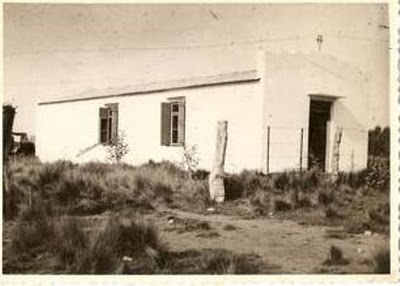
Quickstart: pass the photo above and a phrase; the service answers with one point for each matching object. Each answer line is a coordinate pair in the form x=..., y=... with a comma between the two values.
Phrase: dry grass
x=93, y=188
x=381, y=261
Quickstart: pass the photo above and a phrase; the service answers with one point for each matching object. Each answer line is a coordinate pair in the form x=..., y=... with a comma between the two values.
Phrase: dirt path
x=286, y=246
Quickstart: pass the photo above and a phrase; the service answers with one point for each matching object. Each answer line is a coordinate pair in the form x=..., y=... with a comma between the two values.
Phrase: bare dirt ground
x=285, y=246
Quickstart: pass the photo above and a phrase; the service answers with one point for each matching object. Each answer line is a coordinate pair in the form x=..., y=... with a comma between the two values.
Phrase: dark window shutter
x=165, y=123
x=181, y=124
x=103, y=122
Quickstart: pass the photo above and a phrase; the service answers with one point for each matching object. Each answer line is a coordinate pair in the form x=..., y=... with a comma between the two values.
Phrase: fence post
x=216, y=178
x=268, y=138
x=336, y=153
x=301, y=149
x=9, y=207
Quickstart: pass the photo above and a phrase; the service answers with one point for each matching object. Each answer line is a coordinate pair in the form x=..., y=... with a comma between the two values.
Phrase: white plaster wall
x=288, y=80
x=67, y=128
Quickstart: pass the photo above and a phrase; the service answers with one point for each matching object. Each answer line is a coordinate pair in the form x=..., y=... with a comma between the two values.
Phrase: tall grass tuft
x=221, y=261
x=71, y=242
x=381, y=261
x=33, y=230
x=121, y=237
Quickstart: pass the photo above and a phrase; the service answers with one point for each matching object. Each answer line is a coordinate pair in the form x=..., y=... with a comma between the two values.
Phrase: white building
x=287, y=107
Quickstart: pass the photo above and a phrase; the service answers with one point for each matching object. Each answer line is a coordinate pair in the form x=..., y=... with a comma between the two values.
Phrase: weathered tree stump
x=216, y=179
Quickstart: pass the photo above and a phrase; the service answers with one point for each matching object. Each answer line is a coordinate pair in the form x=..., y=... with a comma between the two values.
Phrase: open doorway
x=320, y=113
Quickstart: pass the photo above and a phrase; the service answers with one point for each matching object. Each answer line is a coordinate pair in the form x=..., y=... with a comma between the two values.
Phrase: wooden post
x=268, y=138
x=216, y=179
x=8, y=121
x=336, y=153
x=301, y=149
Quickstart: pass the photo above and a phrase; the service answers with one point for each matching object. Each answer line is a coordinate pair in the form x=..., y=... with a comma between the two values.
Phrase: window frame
x=173, y=122
x=172, y=129
x=110, y=125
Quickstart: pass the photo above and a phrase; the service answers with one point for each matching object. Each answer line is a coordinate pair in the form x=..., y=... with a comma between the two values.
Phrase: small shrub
x=381, y=261
x=310, y=180
x=33, y=230
x=326, y=197
x=118, y=148
x=200, y=174
x=304, y=201
x=234, y=187
x=281, y=205
x=354, y=180
x=223, y=262
x=193, y=195
x=356, y=225
x=379, y=214
x=120, y=237
x=208, y=234
x=230, y=227
x=331, y=213
x=281, y=181
x=260, y=201
x=190, y=160
x=378, y=174
x=50, y=173
x=335, y=257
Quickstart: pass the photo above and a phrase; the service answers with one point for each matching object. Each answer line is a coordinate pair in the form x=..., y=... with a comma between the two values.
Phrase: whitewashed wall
x=288, y=80
x=66, y=129
x=281, y=100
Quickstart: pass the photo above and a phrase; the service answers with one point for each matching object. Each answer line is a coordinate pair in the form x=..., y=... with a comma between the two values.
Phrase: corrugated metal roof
x=234, y=77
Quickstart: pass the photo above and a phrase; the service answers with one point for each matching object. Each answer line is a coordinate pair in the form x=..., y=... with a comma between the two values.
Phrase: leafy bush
x=378, y=174
x=379, y=142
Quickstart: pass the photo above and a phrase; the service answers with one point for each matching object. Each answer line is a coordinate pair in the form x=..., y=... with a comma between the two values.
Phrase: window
x=173, y=122
x=108, y=123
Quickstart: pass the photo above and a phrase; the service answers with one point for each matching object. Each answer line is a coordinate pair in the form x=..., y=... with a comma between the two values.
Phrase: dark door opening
x=320, y=113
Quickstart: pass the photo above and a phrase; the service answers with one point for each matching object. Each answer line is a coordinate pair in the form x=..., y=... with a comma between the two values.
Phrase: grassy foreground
x=46, y=231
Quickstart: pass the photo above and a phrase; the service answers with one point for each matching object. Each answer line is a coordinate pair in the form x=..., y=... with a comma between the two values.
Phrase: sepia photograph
x=198, y=138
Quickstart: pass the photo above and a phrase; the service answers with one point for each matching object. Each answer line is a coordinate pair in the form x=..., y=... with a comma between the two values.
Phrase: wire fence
x=292, y=148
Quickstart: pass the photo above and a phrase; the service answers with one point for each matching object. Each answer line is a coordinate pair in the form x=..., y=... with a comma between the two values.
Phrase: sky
x=51, y=50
